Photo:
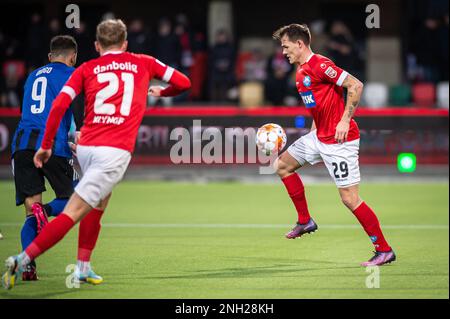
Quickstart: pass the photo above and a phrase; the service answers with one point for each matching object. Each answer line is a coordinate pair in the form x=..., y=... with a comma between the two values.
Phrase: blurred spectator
x=430, y=48
x=199, y=66
x=341, y=48
x=86, y=49
x=54, y=29
x=255, y=68
x=13, y=72
x=184, y=35
x=36, y=51
x=108, y=15
x=138, y=38
x=2, y=46
x=166, y=44
x=221, y=67
x=185, y=38
x=10, y=48
x=11, y=83
x=319, y=36
x=278, y=71
x=444, y=51
x=428, y=55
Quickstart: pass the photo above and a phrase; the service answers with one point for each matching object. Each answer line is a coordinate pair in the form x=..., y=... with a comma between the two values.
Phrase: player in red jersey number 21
x=333, y=139
x=116, y=88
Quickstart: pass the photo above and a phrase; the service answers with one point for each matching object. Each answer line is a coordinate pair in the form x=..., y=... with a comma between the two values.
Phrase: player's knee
x=281, y=168
x=77, y=208
x=350, y=200
x=104, y=202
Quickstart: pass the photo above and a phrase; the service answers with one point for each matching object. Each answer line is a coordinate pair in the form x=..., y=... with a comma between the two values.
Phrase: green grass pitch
x=174, y=240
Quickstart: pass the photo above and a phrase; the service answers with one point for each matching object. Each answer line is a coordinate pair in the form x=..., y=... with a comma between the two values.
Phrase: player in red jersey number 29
x=333, y=139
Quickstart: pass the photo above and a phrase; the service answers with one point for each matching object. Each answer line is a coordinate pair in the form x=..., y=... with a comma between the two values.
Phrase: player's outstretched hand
x=155, y=91
x=41, y=157
x=77, y=136
x=342, y=132
x=73, y=148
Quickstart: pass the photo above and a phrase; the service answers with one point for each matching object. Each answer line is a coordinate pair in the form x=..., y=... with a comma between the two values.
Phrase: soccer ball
x=270, y=138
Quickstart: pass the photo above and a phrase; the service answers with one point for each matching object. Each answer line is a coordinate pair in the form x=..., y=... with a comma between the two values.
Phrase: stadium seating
x=375, y=95
x=400, y=95
x=424, y=94
x=383, y=59
x=251, y=94
x=16, y=67
x=242, y=58
x=442, y=95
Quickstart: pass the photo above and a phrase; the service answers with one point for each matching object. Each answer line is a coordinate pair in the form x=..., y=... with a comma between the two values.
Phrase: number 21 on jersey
x=100, y=107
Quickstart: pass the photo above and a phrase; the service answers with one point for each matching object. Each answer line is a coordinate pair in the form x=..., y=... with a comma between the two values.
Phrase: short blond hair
x=111, y=32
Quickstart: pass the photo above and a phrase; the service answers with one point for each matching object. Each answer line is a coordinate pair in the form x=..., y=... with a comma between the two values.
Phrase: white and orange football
x=271, y=138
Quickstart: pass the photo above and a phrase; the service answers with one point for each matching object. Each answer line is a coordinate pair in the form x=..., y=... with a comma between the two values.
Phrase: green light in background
x=406, y=162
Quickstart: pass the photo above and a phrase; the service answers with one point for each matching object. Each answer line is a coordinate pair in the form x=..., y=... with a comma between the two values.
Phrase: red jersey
x=115, y=87
x=319, y=82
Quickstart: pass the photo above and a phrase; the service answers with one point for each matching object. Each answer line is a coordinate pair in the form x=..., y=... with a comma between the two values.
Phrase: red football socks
x=50, y=235
x=296, y=191
x=371, y=225
x=88, y=234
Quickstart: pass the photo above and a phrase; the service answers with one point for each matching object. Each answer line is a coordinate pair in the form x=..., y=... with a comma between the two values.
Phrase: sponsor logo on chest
x=308, y=99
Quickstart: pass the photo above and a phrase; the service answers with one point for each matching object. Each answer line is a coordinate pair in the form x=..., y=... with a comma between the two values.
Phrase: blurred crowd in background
x=223, y=73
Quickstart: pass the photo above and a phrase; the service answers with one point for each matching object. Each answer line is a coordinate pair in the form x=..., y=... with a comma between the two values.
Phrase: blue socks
x=55, y=207
x=29, y=231
x=29, y=228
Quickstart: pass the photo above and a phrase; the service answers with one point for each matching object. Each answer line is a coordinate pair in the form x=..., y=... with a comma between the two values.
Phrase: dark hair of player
x=294, y=32
x=111, y=32
x=63, y=45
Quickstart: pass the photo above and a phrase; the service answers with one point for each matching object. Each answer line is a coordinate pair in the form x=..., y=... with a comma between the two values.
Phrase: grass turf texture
x=140, y=260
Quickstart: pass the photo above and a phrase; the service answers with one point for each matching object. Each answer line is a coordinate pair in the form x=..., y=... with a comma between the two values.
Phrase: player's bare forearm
x=354, y=91
x=313, y=125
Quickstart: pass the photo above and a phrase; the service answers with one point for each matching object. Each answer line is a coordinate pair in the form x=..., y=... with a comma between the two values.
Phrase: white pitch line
x=329, y=226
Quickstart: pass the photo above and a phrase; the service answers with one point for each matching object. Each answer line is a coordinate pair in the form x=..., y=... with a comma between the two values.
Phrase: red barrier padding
x=223, y=111
x=287, y=111
x=431, y=159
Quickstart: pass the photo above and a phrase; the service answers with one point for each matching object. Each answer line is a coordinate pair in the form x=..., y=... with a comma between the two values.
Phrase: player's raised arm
x=177, y=80
x=354, y=90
